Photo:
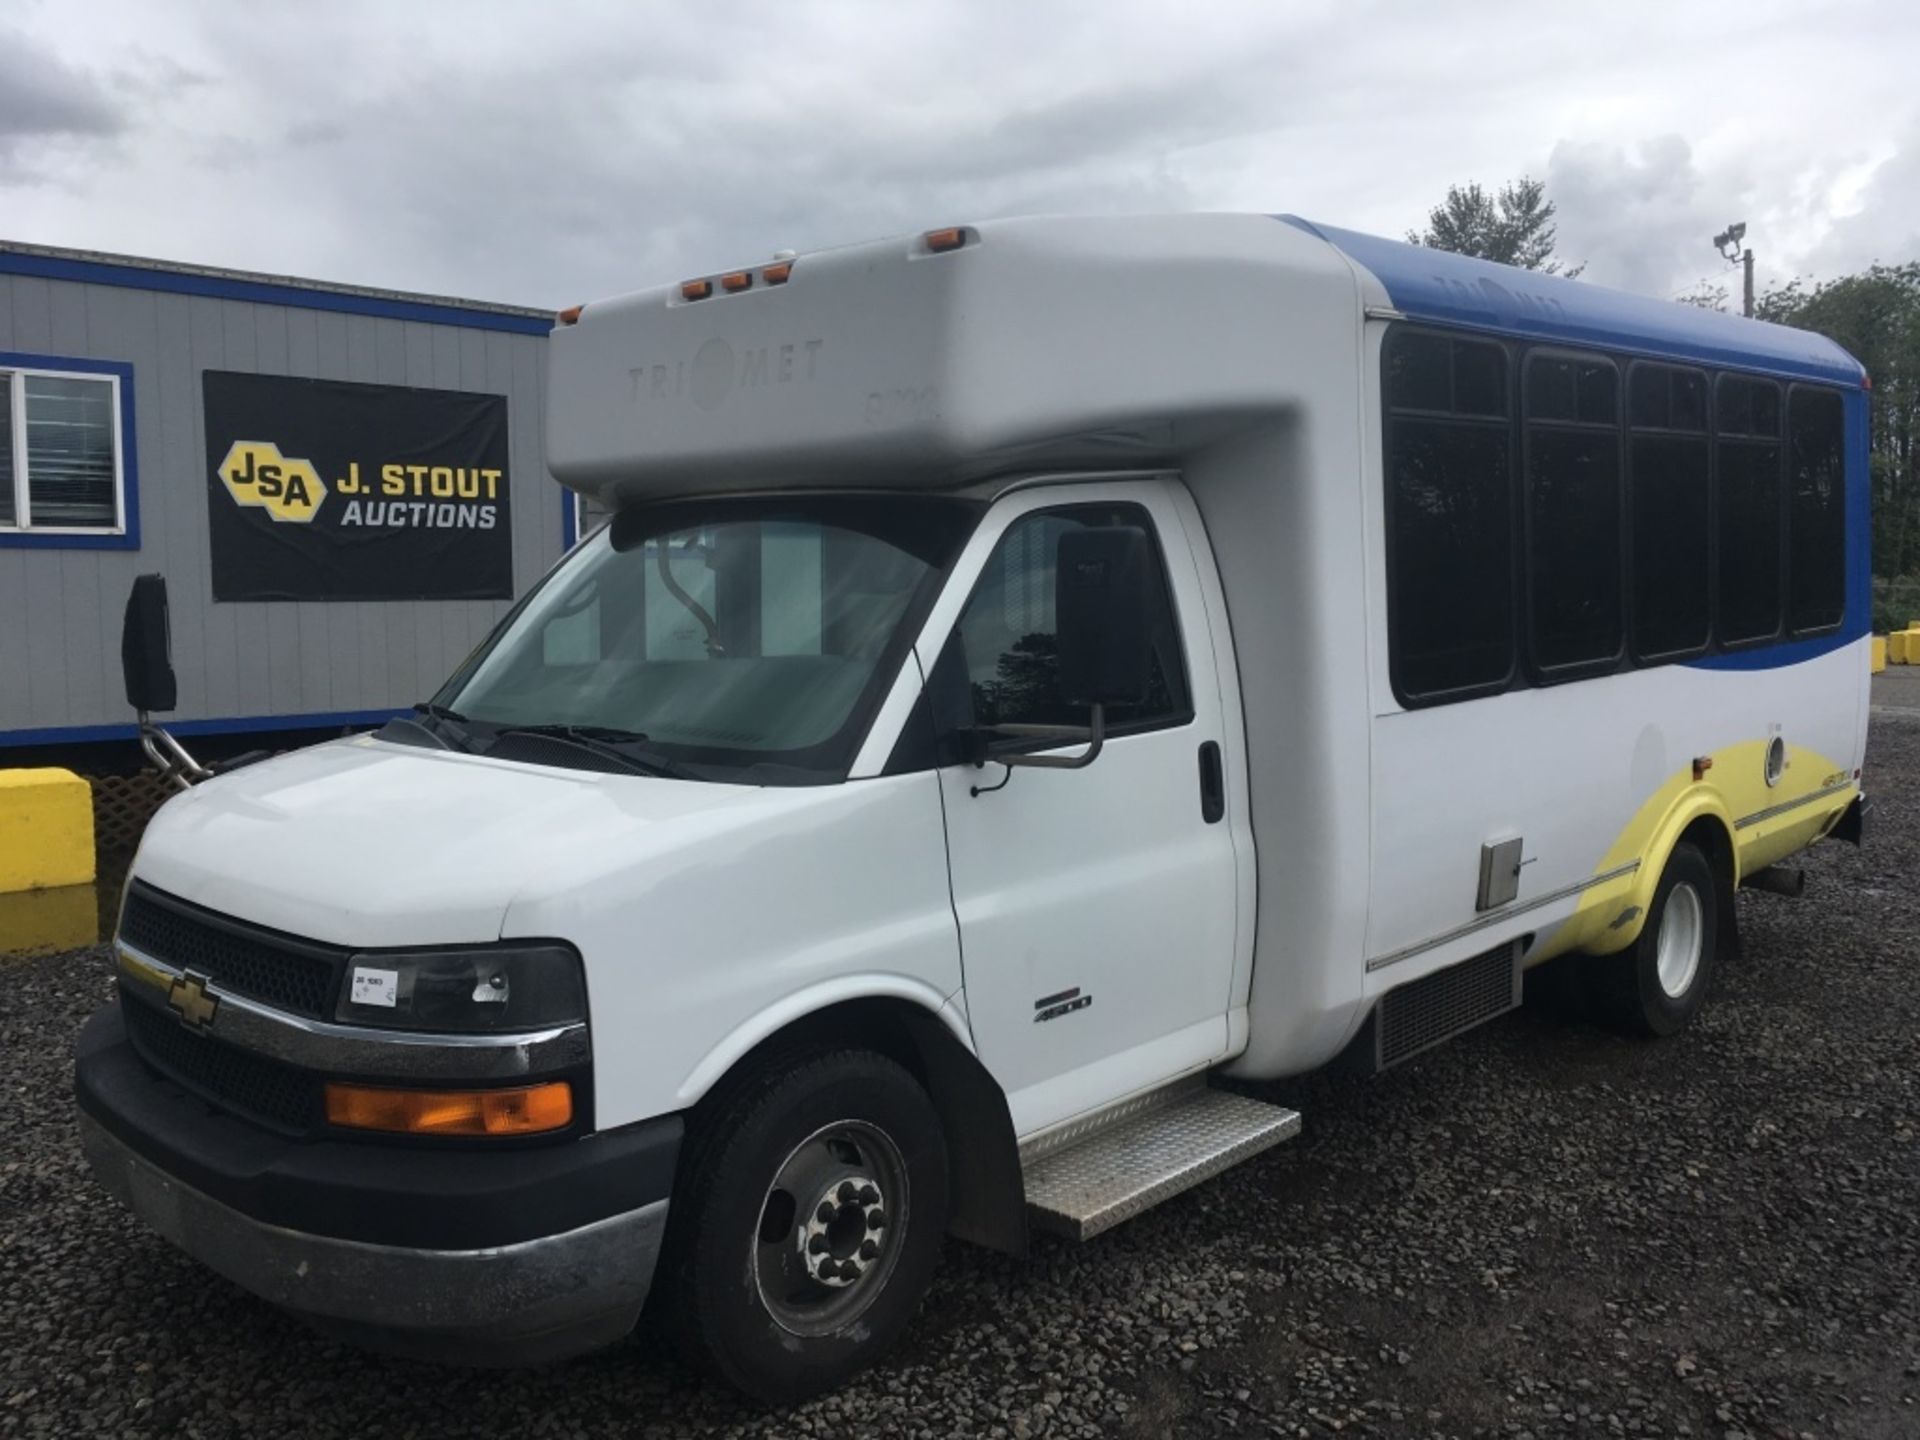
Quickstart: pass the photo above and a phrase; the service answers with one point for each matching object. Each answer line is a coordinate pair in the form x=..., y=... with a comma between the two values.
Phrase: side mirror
x=1103, y=653
x=1100, y=585
x=146, y=661
x=146, y=647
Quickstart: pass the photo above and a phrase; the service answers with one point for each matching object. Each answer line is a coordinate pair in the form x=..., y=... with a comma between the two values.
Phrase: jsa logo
x=257, y=473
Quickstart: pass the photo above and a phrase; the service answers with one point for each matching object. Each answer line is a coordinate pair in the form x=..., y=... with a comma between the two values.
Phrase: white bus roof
x=1052, y=342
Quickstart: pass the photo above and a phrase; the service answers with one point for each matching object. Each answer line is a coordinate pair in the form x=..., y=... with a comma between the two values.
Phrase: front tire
x=814, y=1208
x=1657, y=985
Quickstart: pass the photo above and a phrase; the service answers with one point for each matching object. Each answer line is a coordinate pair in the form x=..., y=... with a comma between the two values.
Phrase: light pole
x=1727, y=242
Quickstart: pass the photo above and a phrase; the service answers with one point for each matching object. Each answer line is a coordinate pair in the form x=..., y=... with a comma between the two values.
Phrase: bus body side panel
x=1597, y=778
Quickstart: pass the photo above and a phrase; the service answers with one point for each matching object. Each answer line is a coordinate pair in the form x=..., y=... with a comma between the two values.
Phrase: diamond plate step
x=1121, y=1170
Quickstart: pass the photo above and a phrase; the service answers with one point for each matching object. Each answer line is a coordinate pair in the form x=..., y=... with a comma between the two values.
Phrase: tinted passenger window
x=1573, y=511
x=1449, y=514
x=1007, y=632
x=1747, y=425
x=1816, y=499
x=1672, y=536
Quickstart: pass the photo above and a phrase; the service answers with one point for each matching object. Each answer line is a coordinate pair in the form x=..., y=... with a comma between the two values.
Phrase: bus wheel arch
x=1709, y=833
x=987, y=1203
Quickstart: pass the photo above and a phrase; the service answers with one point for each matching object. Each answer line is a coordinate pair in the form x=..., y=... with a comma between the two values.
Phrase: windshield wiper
x=450, y=723
x=605, y=740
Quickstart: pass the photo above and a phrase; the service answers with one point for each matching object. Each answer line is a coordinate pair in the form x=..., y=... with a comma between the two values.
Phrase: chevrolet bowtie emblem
x=190, y=1000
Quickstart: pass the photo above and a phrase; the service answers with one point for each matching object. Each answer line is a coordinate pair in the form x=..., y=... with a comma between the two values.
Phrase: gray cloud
x=43, y=99
x=1640, y=215
x=1886, y=226
x=553, y=155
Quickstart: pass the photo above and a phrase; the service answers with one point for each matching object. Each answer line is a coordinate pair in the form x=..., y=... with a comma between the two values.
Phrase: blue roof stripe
x=1436, y=285
x=220, y=287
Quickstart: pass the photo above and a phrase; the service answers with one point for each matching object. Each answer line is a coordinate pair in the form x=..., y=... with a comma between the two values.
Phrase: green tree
x=1514, y=226
x=1875, y=315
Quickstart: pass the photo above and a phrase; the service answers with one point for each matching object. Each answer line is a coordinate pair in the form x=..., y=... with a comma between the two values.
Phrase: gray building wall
x=60, y=609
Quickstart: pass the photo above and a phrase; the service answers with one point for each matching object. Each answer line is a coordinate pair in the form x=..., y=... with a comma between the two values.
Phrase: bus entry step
x=1116, y=1173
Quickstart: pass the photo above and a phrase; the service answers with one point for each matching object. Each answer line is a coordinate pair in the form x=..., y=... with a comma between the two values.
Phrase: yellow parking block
x=1897, y=648
x=1879, y=653
x=46, y=830
x=33, y=921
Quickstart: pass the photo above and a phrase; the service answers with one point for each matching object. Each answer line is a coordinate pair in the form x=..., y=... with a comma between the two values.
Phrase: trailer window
x=1672, y=534
x=1450, y=513
x=1007, y=632
x=1573, y=512
x=60, y=458
x=1747, y=460
x=1816, y=499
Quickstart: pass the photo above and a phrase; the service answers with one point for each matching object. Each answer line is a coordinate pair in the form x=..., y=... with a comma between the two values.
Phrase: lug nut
x=868, y=1195
x=876, y=1219
x=817, y=1245
x=825, y=1212
x=846, y=1192
x=869, y=1250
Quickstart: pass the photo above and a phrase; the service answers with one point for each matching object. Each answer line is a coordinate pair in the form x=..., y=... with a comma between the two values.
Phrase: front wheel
x=1659, y=983
x=817, y=1199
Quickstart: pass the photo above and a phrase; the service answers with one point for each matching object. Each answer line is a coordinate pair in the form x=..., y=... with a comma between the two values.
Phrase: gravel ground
x=1538, y=1230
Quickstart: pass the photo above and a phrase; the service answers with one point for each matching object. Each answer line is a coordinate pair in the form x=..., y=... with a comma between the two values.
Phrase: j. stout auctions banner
x=324, y=490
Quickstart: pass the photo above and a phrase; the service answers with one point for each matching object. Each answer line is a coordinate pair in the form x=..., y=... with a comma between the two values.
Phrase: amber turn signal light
x=524, y=1110
x=695, y=289
x=941, y=241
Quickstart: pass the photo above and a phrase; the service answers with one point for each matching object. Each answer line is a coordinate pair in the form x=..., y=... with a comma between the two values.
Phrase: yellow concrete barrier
x=1879, y=653
x=46, y=830
x=1897, y=648
x=66, y=918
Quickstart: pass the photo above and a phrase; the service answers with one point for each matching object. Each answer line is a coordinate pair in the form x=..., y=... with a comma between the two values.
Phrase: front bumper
x=511, y=1257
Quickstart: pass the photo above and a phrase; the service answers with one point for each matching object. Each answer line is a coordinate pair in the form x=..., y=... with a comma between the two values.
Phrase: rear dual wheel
x=809, y=1220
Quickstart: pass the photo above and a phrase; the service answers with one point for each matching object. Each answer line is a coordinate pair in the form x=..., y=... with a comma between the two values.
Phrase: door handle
x=1213, y=783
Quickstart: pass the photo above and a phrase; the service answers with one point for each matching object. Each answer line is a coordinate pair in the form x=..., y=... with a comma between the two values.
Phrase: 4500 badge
x=444, y=497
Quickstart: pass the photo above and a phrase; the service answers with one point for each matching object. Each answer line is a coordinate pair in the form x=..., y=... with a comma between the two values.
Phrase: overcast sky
x=548, y=153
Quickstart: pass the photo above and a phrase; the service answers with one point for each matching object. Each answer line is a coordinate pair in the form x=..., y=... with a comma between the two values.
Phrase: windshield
x=726, y=639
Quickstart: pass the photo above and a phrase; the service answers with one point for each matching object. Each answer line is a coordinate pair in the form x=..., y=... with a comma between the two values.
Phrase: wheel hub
x=1680, y=941
x=844, y=1233
x=831, y=1227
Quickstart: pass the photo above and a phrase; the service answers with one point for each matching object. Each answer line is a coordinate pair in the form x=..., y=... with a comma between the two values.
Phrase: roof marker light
x=777, y=273
x=736, y=282
x=570, y=315
x=941, y=241
x=695, y=289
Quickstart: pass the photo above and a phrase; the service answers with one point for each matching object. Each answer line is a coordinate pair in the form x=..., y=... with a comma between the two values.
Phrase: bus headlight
x=479, y=989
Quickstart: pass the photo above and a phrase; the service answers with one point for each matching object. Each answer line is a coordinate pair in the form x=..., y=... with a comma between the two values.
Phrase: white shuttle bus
x=1032, y=671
